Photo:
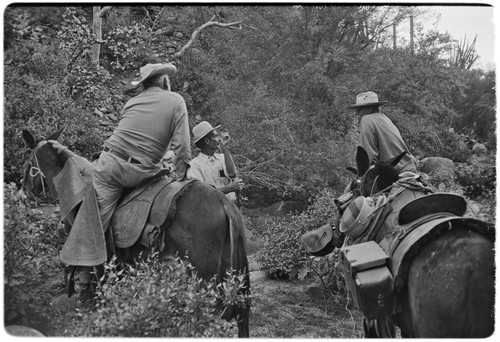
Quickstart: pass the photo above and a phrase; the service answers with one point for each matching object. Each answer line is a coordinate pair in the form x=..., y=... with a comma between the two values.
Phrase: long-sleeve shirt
x=150, y=122
x=382, y=141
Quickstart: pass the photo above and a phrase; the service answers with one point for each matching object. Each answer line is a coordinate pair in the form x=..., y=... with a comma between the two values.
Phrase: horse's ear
x=394, y=161
x=54, y=135
x=29, y=139
x=352, y=169
x=362, y=160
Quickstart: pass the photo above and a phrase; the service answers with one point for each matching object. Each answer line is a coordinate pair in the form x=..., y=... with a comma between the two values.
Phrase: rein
x=35, y=166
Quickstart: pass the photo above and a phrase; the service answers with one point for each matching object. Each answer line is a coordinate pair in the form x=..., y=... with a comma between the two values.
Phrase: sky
x=460, y=21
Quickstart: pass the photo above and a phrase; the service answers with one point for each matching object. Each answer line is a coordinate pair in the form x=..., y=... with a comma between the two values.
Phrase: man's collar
x=206, y=156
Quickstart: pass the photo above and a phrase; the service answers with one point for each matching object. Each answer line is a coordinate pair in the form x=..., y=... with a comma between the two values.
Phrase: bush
x=161, y=299
x=30, y=243
x=477, y=179
x=283, y=255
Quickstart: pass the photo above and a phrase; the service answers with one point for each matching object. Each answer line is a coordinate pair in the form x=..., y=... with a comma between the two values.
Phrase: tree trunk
x=97, y=28
x=411, y=34
x=394, y=36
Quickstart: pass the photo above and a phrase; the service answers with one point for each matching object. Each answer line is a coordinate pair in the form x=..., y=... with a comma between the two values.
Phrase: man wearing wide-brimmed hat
x=377, y=133
x=151, y=122
x=216, y=169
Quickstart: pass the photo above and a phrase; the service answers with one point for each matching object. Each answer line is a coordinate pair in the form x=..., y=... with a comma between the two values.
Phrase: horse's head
x=42, y=161
x=374, y=178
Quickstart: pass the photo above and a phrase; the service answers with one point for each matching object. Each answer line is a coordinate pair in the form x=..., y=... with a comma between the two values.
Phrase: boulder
x=479, y=149
x=21, y=330
x=436, y=164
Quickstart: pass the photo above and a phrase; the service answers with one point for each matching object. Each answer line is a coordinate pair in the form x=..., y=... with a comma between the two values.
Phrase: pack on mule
x=441, y=263
x=204, y=224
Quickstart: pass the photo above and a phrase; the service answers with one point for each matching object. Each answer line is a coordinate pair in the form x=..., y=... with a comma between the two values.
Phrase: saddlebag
x=366, y=272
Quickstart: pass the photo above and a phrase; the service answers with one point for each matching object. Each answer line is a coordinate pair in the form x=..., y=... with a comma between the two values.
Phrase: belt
x=121, y=156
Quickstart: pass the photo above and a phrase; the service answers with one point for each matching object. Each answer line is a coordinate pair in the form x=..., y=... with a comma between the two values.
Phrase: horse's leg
x=451, y=286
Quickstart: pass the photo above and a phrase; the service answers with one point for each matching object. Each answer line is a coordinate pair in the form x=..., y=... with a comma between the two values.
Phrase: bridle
x=35, y=170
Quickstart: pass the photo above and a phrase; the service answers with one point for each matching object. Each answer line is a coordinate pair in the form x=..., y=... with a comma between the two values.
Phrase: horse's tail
x=239, y=263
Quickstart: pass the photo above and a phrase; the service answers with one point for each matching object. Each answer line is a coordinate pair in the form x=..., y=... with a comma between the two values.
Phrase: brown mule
x=443, y=265
x=207, y=225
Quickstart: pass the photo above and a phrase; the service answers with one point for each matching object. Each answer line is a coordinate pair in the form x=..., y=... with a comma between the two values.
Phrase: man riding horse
x=151, y=122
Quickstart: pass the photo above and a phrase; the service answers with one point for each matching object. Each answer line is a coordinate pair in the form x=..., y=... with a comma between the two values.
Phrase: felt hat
x=368, y=98
x=318, y=241
x=357, y=216
x=150, y=70
x=202, y=129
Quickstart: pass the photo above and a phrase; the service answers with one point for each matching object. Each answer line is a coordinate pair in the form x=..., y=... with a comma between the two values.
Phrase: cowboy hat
x=202, y=129
x=150, y=70
x=368, y=98
x=317, y=241
x=357, y=216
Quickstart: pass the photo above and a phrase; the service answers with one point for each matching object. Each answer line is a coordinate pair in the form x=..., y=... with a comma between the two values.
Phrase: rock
x=21, y=330
x=436, y=164
x=479, y=149
x=257, y=275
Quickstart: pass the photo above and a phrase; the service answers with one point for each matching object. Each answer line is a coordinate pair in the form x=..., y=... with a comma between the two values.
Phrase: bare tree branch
x=232, y=26
x=104, y=10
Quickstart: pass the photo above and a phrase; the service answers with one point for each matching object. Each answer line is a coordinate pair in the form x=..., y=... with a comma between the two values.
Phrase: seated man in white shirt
x=213, y=168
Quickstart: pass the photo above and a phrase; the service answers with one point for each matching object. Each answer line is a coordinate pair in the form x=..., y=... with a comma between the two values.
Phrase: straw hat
x=150, y=70
x=366, y=99
x=202, y=129
x=357, y=216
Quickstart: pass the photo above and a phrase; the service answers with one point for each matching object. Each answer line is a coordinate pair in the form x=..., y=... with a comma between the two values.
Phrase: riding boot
x=86, y=279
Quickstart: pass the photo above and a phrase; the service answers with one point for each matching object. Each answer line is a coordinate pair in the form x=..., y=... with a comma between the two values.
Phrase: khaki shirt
x=382, y=141
x=150, y=122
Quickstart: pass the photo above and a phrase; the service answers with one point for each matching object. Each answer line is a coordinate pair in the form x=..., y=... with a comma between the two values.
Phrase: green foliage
x=76, y=37
x=44, y=111
x=477, y=179
x=156, y=298
x=125, y=44
x=280, y=85
x=30, y=243
x=282, y=254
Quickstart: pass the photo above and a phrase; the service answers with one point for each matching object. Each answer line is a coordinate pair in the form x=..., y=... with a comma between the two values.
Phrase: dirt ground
x=280, y=309
x=299, y=309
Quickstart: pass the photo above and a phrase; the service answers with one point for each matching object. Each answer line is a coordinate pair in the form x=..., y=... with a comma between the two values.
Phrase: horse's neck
x=70, y=169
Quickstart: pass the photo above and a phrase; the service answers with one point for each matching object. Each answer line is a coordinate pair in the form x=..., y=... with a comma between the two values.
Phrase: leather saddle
x=432, y=204
x=142, y=211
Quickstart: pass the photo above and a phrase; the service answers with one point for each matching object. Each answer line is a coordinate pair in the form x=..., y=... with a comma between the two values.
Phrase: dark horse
x=449, y=285
x=206, y=224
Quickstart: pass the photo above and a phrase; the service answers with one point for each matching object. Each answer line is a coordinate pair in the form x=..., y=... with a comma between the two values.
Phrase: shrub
x=125, y=45
x=477, y=179
x=283, y=255
x=161, y=299
x=30, y=243
x=42, y=107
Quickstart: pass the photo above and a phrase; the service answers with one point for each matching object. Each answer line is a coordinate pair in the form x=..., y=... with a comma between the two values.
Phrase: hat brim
x=204, y=135
x=168, y=69
x=366, y=104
